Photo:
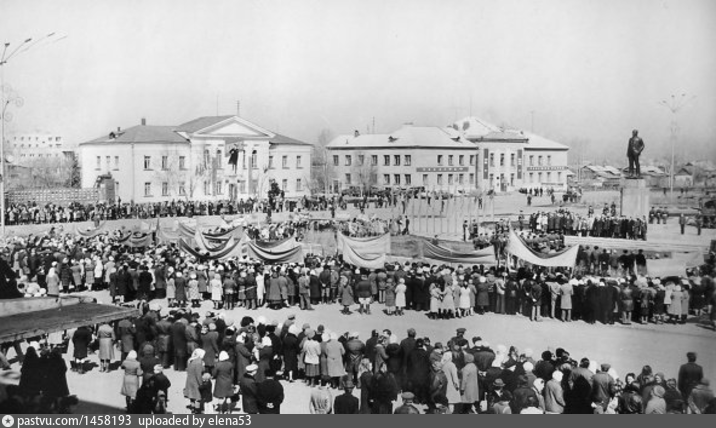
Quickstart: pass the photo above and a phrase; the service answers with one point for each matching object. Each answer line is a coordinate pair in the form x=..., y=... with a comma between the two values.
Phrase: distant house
x=606, y=175
x=684, y=177
x=654, y=176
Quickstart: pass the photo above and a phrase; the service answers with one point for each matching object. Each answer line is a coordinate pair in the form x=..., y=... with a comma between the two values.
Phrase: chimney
x=356, y=134
x=144, y=122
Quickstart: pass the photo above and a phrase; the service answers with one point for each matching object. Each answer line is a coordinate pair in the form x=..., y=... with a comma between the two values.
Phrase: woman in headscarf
x=193, y=288
x=435, y=297
x=334, y=359
x=656, y=404
x=389, y=294
x=400, y=290
x=217, y=290
x=453, y=381
x=365, y=376
x=53, y=281
x=210, y=345
x=194, y=371
x=147, y=361
x=265, y=356
x=448, y=301
x=675, y=309
x=464, y=298
x=180, y=288
x=223, y=373
x=31, y=374
x=312, y=351
x=469, y=386
x=56, y=379
x=130, y=382
x=106, y=337
x=171, y=288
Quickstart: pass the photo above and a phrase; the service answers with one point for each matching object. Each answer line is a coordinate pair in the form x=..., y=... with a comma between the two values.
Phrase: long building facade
x=207, y=159
x=471, y=154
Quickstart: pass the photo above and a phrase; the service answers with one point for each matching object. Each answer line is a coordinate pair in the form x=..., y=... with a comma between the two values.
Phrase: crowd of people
x=606, y=225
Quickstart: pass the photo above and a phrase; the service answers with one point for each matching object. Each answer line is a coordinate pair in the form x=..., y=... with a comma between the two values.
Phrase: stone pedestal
x=634, y=198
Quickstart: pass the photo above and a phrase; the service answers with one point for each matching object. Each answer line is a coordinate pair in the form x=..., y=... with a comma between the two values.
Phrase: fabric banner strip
x=234, y=250
x=485, y=256
x=272, y=256
x=91, y=233
x=136, y=240
x=666, y=267
x=368, y=253
x=517, y=247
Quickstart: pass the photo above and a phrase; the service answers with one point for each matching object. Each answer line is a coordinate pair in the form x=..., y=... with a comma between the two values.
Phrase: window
x=106, y=159
x=472, y=160
x=284, y=161
x=450, y=179
x=374, y=160
x=271, y=166
x=284, y=184
x=147, y=162
x=147, y=189
x=182, y=162
x=408, y=180
x=539, y=160
x=426, y=180
x=408, y=160
x=219, y=159
x=207, y=159
x=539, y=177
x=492, y=159
x=461, y=160
x=182, y=189
x=450, y=160
x=207, y=188
x=549, y=160
x=512, y=159
x=512, y=179
x=348, y=179
x=559, y=177
x=242, y=186
x=386, y=179
x=472, y=178
x=299, y=185
x=349, y=160
x=116, y=162
x=217, y=188
x=440, y=179
x=440, y=160
x=386, y=160
x=298, y=162
x=396, y=160
x=165, y=163
x=254, y=161
x=532, y=177
x=532, y=160
x=336, y=162
x=99, y=162
x=396, y=178
x=461, y=179
x=165, y=189
x=549, y=177
x=502, y=159
x=361, y=160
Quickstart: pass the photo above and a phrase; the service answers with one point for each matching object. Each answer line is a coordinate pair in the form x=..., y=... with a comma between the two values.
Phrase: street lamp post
x=4, y=103
x=674, y=104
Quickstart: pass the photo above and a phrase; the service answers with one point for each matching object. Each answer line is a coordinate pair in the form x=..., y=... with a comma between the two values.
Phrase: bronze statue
x=634, y=149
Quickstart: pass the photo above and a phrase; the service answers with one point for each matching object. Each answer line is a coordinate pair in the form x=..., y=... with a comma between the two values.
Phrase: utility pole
x=674, y=104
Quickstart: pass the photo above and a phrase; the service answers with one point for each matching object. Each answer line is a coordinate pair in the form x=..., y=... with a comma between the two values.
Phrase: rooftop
x=141, y=134
x=408, y=136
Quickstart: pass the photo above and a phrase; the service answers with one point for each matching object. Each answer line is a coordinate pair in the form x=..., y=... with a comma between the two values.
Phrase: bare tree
x=50, y=172
x=322, y=171
x=365, y=172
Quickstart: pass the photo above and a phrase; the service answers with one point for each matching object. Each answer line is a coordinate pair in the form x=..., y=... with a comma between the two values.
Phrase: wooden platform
x=34, y=323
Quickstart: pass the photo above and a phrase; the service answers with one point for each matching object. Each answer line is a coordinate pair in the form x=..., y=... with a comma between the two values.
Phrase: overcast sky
x=587, y=71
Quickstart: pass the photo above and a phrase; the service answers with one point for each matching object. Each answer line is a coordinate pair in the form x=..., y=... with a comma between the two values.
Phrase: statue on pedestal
x=634, y=149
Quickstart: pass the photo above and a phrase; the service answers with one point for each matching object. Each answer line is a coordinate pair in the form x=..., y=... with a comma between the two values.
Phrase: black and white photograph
x=247, y=207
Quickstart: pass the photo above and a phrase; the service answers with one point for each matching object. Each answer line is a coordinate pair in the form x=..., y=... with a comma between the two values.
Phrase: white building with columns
x=209, y=159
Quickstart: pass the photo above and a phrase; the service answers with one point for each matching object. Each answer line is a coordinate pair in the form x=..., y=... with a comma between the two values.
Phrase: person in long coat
x=81, y=340
x=265, y=356
x=125, y=332
x=180, y=288
x=334, y=359
x=147, y=360
x=675, y=309
x=31, y=375
x=346, y=293
x=483, y=296
x=130, y=382
x=210, y=345
x=223, y=373
x=243, y=356
x=291, y=349
x=400, y=300
x=389, y=294
x=56, y=388
x=566, y=291
x=106, y=337
x=194, y=371
x=247, y=386
x=312, y=352
x=469, y=389
x=453, y=381
x=418, y=372
x=171, y=289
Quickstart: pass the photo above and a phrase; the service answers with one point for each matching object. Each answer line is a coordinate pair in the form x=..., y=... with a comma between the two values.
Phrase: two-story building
x=209, y=158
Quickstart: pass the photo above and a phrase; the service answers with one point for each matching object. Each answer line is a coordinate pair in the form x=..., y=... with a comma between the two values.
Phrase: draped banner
x=486, y=256
x=366, y=253
x=277, y=246
x=91, y=233
x=225, y=235
x=136, y=240
x=660, y=268
x=517, y=247
x=231, y=250
x=272, y=255
x=186, y=231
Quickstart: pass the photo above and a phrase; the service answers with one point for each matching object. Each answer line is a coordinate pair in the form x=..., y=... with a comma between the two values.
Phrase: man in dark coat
x=269, y=394
x=418, y=372
x=164, y=330
x=346, y=404
x=690, y=374
x=179, y=345
x=247, y=386
x=407, y=408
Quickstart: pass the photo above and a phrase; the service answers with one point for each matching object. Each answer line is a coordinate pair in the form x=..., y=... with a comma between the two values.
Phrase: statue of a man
x=634, y=149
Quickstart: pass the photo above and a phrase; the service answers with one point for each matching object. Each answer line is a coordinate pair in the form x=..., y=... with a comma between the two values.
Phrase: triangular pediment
x=235, y=127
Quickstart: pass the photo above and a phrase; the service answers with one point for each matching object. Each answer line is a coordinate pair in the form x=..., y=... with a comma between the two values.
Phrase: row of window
x=407, y=179
x=165, y=165
x=49, y=139
x=284, y=162
x=217, y=190
x=39, y=155
x=440, y=160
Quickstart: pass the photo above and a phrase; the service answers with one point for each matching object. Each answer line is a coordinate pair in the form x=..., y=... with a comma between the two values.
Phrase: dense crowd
x=606, y=225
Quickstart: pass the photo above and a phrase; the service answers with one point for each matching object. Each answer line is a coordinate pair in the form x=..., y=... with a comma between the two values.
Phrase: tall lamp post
x=674, y=104
x=5, y=100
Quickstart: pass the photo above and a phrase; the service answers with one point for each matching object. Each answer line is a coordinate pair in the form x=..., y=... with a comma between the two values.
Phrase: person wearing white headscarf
x=195, y=368
x=334, y=359
x=453, y=381
x=223, y=373
x=130, y=382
